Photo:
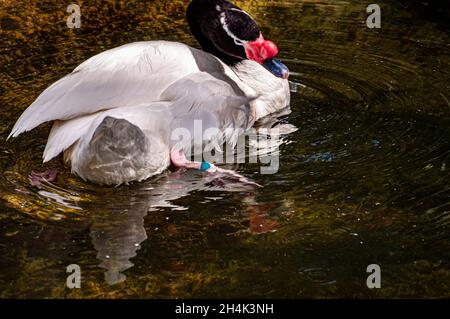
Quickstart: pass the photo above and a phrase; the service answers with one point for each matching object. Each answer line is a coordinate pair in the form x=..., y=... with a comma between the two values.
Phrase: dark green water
x=364, y=180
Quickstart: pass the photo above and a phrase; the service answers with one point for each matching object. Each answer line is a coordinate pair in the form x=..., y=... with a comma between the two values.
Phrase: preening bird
x=115, y=114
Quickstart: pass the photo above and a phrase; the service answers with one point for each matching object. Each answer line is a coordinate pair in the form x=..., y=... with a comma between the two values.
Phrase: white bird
x=115, y=113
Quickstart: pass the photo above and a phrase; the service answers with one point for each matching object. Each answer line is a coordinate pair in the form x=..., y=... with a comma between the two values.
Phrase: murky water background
x=365, y=179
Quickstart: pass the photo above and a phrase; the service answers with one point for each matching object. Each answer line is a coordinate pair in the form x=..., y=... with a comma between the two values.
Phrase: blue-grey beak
x=277, y=68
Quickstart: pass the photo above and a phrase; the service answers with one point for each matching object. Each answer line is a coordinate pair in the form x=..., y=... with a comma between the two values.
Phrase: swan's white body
x=156, y=86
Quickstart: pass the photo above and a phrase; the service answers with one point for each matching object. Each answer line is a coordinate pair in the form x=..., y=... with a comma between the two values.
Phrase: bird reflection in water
x=118, y=234
x=118, y=231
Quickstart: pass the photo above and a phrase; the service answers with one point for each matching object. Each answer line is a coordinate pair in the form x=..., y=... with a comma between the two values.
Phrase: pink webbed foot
x=179, y=159
x=38, y=178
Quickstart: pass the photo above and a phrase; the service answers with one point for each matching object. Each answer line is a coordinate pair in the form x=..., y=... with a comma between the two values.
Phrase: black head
x=231, y=34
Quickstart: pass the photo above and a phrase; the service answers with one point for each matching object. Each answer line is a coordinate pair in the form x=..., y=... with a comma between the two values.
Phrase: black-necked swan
x=115, y=113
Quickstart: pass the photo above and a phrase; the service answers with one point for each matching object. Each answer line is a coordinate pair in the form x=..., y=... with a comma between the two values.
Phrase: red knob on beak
x=261, y=50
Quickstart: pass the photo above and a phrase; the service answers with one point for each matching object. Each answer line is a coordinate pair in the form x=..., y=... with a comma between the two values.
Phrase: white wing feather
x=131, y=75
x=198, y=96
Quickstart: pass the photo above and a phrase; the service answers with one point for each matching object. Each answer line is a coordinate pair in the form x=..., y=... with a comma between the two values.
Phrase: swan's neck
x=272, y=92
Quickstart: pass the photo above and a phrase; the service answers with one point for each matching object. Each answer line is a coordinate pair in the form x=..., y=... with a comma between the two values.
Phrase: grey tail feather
x=111, y=139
